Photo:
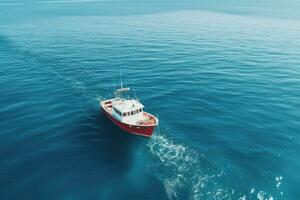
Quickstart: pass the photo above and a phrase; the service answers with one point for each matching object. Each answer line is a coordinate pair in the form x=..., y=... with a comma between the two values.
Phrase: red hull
x=138, y=130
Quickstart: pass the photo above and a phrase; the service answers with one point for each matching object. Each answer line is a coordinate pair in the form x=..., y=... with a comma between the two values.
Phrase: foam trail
x=179, y=168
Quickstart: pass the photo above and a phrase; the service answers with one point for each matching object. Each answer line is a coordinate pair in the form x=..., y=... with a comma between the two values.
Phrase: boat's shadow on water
x=111, y=153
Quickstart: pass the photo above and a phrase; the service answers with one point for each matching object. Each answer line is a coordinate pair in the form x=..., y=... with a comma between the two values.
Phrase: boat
x=128, y=114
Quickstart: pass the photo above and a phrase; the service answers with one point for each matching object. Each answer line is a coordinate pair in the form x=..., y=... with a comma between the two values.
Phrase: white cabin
x=127, y=110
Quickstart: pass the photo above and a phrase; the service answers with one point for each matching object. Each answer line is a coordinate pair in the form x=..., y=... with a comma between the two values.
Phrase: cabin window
x=131, y=112
x=117, y=111
x=128, y=113
x=124, y=114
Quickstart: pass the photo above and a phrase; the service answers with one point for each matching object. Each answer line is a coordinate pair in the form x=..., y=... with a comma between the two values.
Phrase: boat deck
x=147, y=120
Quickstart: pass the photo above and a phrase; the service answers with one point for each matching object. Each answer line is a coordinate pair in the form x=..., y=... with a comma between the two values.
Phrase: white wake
x=179, y=169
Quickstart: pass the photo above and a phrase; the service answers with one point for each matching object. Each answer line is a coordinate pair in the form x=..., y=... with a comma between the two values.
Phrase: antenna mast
x=135, y=94
x=121, y=77
x=115, y=83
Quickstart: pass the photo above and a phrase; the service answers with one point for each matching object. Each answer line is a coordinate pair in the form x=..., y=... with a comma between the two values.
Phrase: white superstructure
x=127, y=110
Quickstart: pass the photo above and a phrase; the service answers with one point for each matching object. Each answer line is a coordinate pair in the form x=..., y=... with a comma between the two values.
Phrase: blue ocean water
x=223, y=77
